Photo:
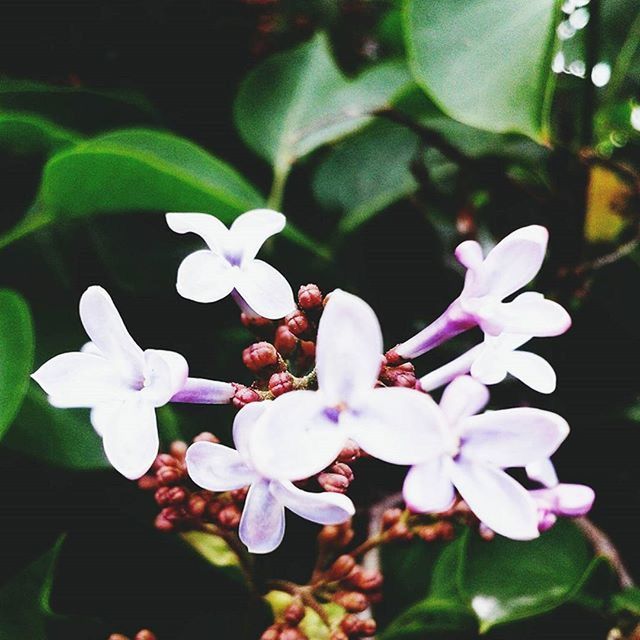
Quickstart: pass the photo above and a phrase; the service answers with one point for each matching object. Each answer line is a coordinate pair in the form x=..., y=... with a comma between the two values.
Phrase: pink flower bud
x=309, y=296
x=298, y=323
x=259, y=356
x=285, y=341
x=333, y=482
x=244, y=395
x=206, y=436
x=352, y=601
x=280, y=383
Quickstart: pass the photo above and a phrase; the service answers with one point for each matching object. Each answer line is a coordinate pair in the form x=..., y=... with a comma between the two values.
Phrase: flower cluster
x=324, y=394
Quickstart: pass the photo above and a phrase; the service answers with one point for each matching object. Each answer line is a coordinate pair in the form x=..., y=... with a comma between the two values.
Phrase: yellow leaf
x=607, y=195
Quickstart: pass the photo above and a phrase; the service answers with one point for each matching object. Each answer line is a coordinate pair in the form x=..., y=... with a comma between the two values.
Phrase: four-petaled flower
x=229, y=265
x=491, y=361
x=122, y=384
x=219, y=468
x=302, y=432
x=477, y=450
x=507, y=268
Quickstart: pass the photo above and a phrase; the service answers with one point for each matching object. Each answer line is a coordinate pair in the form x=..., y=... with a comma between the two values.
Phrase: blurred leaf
x=62, y=437
x=79, y=108
x=299, y=100
x=367, y=172
x=626, y=601
x=140, y=170
x=607, y=198
x=16, y=355
x=505, y=580
x=215, y=551
x=23, y=133
x=484, y=62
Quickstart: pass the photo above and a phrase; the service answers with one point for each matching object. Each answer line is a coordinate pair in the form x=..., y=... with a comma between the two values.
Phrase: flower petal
x=542, y=471
x=533, y=370
x=262, y=522
x=512, y=437
x=165, y=372
x=397, y=425
x=103, y=414
x=208, y=227
x=496, y=499
x=531, y=313
x=349, y=347
x=514, y=261
x=105, y=327
x=463, y=397
x=131, y=439
x=323, y=508
x=448, y=372
x=244, y=425
x=488, y=367
x=204, y=276
x=571, y=500
x=250, y=230
x=295, y=438
x=265, y=289
x=80, y=380
x=218, y=468
x=201, y=391
x=427, y=487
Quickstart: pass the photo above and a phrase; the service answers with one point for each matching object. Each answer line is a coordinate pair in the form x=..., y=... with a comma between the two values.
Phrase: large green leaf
x=299, y=100
x=485, y=62
x=25, y=133
x=16, y=355
x=140, y=170
x=504, y=580
x=62, y=437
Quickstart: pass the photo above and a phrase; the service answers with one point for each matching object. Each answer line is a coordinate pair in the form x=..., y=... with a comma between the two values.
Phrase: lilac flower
x=122, y=384
x=490, y=361
x=219, y=468
x=479, y=447
x=508, y=267
x=304, y=431
x=568, y=500
x=229, y=265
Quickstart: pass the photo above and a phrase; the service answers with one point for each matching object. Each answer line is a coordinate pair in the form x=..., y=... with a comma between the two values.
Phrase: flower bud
x=367, y=628
x=294, y=613
x=197, y=505
x=229, y=516
x=292, y=633
x=280, y=383
x=172, y=496
x=400, y=531
x=391, y=517
x=403, y=375
x=206, y=436
x=393, y=359
x=162, y=524
x=272, y=633
x=298, y=323
x=309, y=296
x=259, y=356
x=178, y=449
x=255, y=322
x=350, y=624
x=350, y=452
x=144, y=634
x=339, y=635
x=333, y=482
x=147, y=483
x=341, y=567
x=285, y=342
x=351, y=601
x=336, y=536
x=365, y=579
x=164, y=460
x=245, y=395
x=239, y=495
x=486, y=533
x=168, y=475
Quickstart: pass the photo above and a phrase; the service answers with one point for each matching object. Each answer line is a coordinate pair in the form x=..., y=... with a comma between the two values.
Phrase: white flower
x=479, y=448
x=229, y=265
x=491, y=361
x=219, y=468
x=304, y=431
x=508, y=267
x=122, y=384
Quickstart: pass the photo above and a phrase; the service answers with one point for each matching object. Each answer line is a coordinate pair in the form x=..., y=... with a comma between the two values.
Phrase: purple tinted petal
x=496, y=499
x=204, y=276
x=533, y=370
x=397, y=425
x=427, y=487
x=542, y=471
x=208, y=227
x=323, y=508
x=349, y=348
x=532, y=314
x=217, y=468
x=201, y=391
x=250, y=230
x=244, y=425
x=262, y=523
x=463, y=397
x=570, y=500
x=445, y=374
x=265, y=289
x=164, y=373
x=512, y=437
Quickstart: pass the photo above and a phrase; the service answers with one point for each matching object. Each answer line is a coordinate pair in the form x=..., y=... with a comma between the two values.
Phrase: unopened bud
x=239, y=495
x=308, y=349
x=245, y=395
x=400, y=376
x=298, y=323
x=333, y=482
x=350, y=452
x=338, y=634
x=350, y=624
x=259, y=356
x=164, y=460
x=285, y=342
x=393, y=359
x=207, y=436
x=309, y=296
x=336, y=536
x=341, y=567
x=178, y=449
x=294, y=613
x=168, y=475
x=365, y=579
x=255, y=322
x=272, y=633
x=399, y=531
x=229, y=516
x=351, y=601
x=162, y=524
x=486, y=533
x=196, y=505
x=147, y=483
x=367, y=628
x=292, y=633
x=144, y=634
x=280, y=383
x=391, y=517
x=175, y=495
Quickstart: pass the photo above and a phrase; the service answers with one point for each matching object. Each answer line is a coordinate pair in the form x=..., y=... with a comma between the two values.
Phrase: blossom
x=122, y=384
x=478, y=449
x=219, y=468
x=490, y=361
x=304, y=431
x=508, y=267
x=229, y=265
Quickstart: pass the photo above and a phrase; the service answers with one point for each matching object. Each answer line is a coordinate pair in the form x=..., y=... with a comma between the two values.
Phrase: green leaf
x=16, y=355
x=485, y=62
x=215, y=551
x=504, y=580
x=140, y=170
x=298, y=100
x=61, y=437
x=23, y=133
x=627, y=601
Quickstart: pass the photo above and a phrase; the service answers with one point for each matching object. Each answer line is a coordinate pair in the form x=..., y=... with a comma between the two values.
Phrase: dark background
x=187, y=58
